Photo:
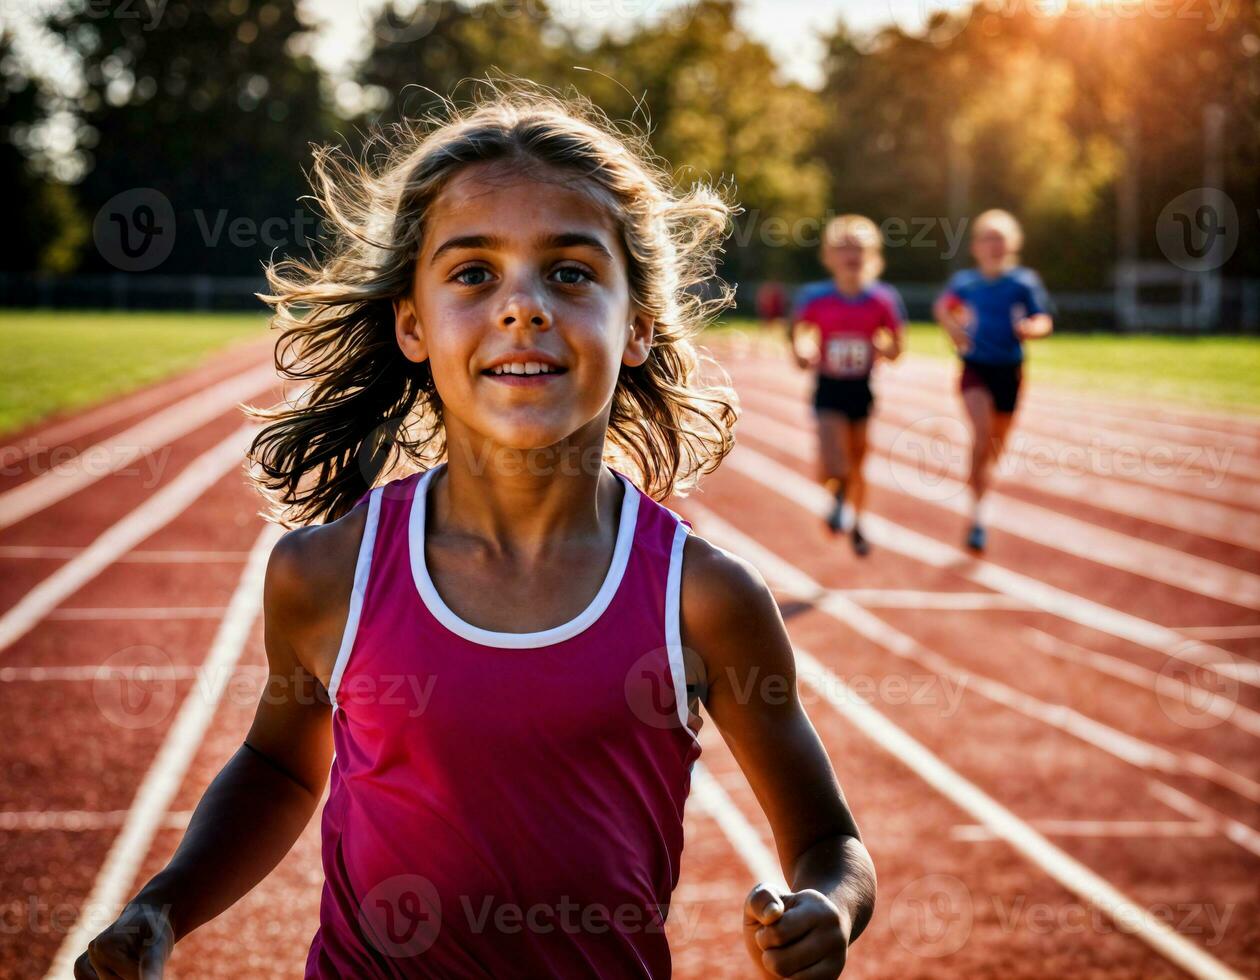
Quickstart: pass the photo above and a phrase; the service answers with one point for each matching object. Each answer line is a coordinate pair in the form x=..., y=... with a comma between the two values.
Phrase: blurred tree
x=46, y=229
x=719, y=110
x=210, y=103
x=433, y=47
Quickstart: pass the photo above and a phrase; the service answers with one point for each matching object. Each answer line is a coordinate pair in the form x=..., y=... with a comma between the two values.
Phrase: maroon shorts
x=1000, y=380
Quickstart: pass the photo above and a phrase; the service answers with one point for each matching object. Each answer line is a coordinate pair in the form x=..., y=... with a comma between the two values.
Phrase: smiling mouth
x=530, y=369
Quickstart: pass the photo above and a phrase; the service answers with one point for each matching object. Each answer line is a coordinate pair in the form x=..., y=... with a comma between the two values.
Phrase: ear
x=409, y=331
x=639, y=343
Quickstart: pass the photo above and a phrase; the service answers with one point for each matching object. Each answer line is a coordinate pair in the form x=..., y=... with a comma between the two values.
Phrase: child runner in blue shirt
x=988, y=312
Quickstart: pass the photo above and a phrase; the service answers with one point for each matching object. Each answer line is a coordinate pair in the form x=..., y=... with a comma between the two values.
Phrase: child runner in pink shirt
x=855, y=320
x=497, y=657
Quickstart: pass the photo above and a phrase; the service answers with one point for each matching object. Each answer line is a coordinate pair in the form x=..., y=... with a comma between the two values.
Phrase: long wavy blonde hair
x=364, y=409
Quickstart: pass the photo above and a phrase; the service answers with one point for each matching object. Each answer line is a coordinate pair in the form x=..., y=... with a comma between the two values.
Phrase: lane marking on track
x=158, y=510
x=124, y=448
x=1040, y=525
x=93, y=419
x=1242, y=464
x=1201, y=700
x=967, y=796
x=708, y=794
x=138, y=612
x=174, y=557
x=1234, y=830
x=1127, y=748
x=1070, y=873
x=92, y=672
x=1250, y=632
x=976, y=833
x=70, y=820
x=884, y=533
x=162, y=781
x=1149, y=499
x=913, y=376
x=915, y=599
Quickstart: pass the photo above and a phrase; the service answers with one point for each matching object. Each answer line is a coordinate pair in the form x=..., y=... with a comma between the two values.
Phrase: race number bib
x=846, y=356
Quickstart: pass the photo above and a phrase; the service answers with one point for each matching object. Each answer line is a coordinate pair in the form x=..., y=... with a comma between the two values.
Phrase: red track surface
x=1083, y=735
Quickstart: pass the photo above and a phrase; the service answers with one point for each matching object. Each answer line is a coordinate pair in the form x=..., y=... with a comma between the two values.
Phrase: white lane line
x=93, y=419
x=708, y=794
x=81, y=819
x=162, y=781
x=975, y=833
x=1250, y=632
x=886, y=534
x=139, y=612
x=1040, y=525
x=1043, y=464
x=1058, y=864
x=1135, y=416
x=1234, y=830
x=92, y=672
x=158, y=510
x=1127, y=748
x=121, y=450
x=917, y=599
x=173, y=556
x=1181, y=696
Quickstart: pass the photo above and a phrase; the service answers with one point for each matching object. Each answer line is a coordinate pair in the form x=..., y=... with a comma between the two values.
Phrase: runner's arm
x=263, y=798
x=731, y=620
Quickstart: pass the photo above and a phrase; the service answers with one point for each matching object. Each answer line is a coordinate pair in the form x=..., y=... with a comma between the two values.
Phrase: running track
x=1052, y=752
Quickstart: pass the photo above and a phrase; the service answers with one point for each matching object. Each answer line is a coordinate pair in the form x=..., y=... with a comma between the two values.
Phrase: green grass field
x=1211, y=372
x=59, y=361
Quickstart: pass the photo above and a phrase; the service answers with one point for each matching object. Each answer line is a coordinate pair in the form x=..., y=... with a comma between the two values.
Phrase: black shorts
x=1000, y=380
x=850, y=396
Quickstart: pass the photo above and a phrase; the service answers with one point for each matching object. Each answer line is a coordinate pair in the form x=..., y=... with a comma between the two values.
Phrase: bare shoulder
x=306, y=595
x=728, y=610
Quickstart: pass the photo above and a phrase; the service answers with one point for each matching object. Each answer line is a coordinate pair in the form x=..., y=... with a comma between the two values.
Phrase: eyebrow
x=568, y=239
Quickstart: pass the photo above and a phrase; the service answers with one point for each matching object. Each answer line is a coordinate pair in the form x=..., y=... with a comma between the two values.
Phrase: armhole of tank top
x=673, y=623
x=362, y=569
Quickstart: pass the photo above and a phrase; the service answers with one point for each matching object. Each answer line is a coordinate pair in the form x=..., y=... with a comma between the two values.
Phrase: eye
x=572, y=275
x=471, y=275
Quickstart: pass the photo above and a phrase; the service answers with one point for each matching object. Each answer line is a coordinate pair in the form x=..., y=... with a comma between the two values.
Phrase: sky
x=789, y=28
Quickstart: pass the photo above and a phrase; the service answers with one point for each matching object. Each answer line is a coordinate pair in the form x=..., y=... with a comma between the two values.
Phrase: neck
x=523, y=502
x=849, y=287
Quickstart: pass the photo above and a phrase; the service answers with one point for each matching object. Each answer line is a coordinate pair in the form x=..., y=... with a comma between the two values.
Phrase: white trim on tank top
x=362, y=569
x=673, y=622
x=519, y=641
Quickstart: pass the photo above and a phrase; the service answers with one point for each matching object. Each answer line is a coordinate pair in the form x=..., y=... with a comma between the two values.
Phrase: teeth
x=528, y=367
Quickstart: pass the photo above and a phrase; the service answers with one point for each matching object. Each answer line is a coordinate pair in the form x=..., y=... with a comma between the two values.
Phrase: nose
x=525, y=307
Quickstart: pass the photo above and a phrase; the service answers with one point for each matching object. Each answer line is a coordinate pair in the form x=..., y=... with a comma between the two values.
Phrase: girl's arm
x=263, y=798
x=952, y=315
x=801, y=358
x=732, y=622
x=1034, y=327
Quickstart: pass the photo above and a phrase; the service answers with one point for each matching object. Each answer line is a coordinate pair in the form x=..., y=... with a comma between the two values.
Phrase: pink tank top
x=505, y=804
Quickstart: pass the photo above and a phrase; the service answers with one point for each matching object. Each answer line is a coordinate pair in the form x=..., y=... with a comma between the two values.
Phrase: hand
x=802, y=934
x=135, y=947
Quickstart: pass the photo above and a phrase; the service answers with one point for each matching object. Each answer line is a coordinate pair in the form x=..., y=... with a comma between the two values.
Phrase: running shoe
x=976, y=538
x=861, y=547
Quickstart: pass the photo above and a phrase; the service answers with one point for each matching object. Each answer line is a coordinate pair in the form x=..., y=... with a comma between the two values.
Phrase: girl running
x=856, y=320
x=506, y=645
x=988, y=312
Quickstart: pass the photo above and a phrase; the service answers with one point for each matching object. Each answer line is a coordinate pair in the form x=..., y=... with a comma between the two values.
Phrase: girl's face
x=846, y=259
x=521, y=304
x=990, y=247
